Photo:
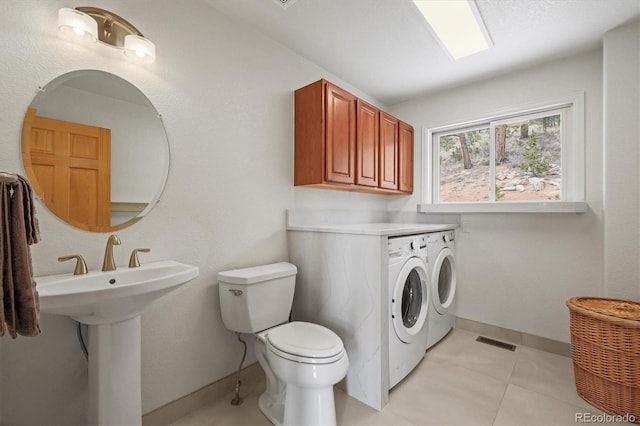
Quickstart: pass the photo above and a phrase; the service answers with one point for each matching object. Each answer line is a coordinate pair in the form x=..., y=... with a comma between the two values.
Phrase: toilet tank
x=257, y=298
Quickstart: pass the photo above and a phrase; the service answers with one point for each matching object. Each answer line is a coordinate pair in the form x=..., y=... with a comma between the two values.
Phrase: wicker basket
x=605, y=335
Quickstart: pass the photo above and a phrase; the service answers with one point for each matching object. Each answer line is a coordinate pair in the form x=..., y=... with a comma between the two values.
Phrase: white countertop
x=375, y=228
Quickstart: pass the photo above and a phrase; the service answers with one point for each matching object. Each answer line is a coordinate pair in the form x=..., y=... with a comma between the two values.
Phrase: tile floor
x=459, y=382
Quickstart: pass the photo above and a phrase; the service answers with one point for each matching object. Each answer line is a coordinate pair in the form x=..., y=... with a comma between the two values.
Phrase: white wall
x=226, y=97
x=517, y=270
x=621, y=157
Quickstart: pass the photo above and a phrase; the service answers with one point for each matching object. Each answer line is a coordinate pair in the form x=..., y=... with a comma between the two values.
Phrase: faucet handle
x=81, y=266
x=133, y=260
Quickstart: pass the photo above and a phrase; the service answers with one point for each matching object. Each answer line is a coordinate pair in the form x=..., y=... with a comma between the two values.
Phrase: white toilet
x=301, y=361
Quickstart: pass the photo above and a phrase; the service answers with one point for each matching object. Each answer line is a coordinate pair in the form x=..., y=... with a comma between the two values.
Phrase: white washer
x=443, y=277
x=408, y=304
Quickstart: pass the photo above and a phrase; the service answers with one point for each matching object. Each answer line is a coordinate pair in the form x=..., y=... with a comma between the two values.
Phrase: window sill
x=506, y=207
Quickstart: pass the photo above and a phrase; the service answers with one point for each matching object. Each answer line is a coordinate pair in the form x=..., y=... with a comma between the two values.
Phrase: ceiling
x=386, y=49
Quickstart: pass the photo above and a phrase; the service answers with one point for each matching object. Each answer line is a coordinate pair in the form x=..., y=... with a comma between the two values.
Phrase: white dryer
x=443, y=277
x=408, y=304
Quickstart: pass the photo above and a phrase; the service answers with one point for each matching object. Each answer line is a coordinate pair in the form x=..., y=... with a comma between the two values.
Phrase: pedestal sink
x=111, y=304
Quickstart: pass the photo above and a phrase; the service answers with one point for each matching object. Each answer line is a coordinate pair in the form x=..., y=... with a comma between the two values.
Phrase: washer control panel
x=407, y=244
x=445, y=238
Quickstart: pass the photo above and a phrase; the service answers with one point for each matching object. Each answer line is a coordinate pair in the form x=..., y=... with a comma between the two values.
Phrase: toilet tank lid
x=258, y=273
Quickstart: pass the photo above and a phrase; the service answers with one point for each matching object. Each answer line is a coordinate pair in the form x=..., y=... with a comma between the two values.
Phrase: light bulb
x=140, y=48
x=77, y=23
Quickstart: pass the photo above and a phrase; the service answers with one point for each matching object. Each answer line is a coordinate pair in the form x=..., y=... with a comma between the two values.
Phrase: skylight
x=458, y=25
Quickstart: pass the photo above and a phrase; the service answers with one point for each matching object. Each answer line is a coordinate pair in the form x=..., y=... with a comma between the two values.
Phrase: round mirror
x=95, y=150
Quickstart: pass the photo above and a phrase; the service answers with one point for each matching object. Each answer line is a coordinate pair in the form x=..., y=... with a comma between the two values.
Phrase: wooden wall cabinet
x=342, y=142
x=325, y=135
x=388, y=151
x=405, y=157
x=367, y=144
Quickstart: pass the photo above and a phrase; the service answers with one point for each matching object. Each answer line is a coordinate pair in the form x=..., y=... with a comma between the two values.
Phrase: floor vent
x=284, y=3
x=496, y=343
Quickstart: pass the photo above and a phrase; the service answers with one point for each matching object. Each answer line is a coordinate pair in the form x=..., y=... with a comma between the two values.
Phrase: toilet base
x=303, y=406
x=309, y=406
x=272, y=410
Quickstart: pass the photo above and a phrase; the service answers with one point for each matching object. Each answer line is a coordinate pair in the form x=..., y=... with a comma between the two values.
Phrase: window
x=528, y=159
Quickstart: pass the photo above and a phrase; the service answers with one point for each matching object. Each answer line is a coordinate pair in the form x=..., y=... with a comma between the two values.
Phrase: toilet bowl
x=300, y=377
x=302, y=361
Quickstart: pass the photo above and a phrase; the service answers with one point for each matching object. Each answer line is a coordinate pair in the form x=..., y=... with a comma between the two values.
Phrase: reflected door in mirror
x=71, y=164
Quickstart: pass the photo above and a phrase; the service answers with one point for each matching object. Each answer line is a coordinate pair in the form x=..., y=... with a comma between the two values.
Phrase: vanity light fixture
x=457, y=24
x=77, y=23
x=92, y=23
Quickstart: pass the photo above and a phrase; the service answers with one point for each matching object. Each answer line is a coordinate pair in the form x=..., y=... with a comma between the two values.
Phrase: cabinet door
x=388, y=151
x=405, y=158
x=367, y=144
x=340, y=135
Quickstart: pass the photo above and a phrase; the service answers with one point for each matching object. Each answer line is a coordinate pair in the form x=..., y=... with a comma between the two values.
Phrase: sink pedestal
x=114, y=373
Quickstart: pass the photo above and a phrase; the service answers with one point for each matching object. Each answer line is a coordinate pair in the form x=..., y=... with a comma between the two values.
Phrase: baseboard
x=515, y=337
x=174, y=410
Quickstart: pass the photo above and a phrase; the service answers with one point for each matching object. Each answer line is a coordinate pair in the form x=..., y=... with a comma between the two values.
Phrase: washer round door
x=410, y=300
x=443, y=280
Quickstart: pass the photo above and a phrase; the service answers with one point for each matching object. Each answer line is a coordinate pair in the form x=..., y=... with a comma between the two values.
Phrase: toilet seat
x=305, y=342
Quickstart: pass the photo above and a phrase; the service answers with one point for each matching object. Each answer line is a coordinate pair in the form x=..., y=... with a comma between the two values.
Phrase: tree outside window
x=514, y=159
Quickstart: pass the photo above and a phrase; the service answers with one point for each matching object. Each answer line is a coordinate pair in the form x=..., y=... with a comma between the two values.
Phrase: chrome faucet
x=109, y=264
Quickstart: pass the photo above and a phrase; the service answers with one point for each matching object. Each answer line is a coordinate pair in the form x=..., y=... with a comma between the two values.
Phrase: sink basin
x=107, y=297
